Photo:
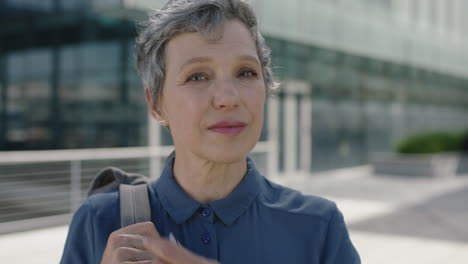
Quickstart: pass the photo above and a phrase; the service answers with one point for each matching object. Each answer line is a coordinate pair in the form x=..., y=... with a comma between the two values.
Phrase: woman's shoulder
x=91, y=224
x=281, y=198
x=103, y=204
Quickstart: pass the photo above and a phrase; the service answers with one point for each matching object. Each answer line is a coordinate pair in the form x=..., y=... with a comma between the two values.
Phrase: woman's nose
x=226, y=95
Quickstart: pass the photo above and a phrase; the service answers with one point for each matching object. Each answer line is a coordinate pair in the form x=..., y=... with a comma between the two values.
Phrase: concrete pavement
x=391, y=219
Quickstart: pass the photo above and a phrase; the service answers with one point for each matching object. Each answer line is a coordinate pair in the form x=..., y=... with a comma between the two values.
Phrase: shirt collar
x=235, y=204
x=181, y=207
x=177, y=203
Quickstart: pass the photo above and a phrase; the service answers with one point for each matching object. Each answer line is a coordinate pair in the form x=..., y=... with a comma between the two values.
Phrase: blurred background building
x=357, y=76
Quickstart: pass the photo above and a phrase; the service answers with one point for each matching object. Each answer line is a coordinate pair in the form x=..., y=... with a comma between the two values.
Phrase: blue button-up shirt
x=259, y=222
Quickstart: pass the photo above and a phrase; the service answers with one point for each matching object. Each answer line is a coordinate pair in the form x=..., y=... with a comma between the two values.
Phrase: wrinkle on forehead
x=239, y=39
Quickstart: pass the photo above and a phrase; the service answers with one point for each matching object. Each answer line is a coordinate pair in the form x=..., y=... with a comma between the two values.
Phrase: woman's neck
x=206, y=181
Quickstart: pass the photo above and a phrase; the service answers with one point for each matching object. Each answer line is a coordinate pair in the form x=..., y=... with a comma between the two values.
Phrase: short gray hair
x=204, y=16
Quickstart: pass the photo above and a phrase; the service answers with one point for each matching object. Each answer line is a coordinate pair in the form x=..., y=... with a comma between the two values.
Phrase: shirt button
x=205, y=238
x=205, y=212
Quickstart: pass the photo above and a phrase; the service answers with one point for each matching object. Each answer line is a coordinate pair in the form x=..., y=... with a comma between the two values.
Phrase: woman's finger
x=156, y=261
x=126, y=240
x=132, y=254
x=144, y=262
x=127, y=243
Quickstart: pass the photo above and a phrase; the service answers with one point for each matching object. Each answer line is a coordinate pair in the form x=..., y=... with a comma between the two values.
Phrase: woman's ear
x=153, y=109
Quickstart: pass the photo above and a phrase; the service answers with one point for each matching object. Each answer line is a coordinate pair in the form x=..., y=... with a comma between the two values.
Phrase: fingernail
x=173, y=240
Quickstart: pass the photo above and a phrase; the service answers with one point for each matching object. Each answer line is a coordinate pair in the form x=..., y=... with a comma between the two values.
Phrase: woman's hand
x=141, y=243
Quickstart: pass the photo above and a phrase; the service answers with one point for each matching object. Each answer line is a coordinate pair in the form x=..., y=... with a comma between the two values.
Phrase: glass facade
x=377, y=71
x=68, y=78
x=363, y=104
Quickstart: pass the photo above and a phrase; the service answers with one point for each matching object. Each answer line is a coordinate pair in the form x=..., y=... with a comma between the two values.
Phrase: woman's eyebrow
x=195, y=60
x=249, y=58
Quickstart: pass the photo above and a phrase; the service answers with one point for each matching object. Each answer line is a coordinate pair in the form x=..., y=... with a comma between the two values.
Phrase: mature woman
x=206, y=72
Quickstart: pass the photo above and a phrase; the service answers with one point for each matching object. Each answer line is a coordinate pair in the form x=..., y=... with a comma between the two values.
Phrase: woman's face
x=213, y=94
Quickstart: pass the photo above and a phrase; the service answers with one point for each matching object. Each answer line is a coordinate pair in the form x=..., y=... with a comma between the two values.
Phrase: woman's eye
x=196, y=77
x=247, y=74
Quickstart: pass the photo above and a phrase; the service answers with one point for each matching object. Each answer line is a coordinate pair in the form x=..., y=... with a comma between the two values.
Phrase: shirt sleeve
x=338, y=247
x=79, y=247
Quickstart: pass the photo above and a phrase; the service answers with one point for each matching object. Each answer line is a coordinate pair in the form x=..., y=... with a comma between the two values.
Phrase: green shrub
x=434, y=142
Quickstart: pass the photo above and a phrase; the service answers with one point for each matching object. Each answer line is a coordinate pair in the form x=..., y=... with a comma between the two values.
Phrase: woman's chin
x=228, y=157
x=232, y=155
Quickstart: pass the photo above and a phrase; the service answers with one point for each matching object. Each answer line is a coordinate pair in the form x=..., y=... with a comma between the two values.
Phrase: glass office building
x=68, y=78
x=357, y=75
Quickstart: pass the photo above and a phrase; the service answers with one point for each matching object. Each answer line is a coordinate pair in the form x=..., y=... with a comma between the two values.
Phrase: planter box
x=424, y=165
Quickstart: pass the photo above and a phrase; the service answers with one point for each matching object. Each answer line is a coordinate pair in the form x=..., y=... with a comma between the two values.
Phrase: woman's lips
x=228, y=127
x=228, y=130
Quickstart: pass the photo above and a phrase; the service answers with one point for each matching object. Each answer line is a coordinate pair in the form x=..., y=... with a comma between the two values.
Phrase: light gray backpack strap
x=134, y=204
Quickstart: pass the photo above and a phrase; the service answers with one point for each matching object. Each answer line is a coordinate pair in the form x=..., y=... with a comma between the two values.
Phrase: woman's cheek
x=257, y=95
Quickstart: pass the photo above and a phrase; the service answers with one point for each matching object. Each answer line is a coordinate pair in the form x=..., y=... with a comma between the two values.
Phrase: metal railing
x=43, y=188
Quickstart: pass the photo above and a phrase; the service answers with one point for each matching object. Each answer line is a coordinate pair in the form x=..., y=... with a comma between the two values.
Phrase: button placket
x=206, y=214
x=206, y=237
x=205, y=211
